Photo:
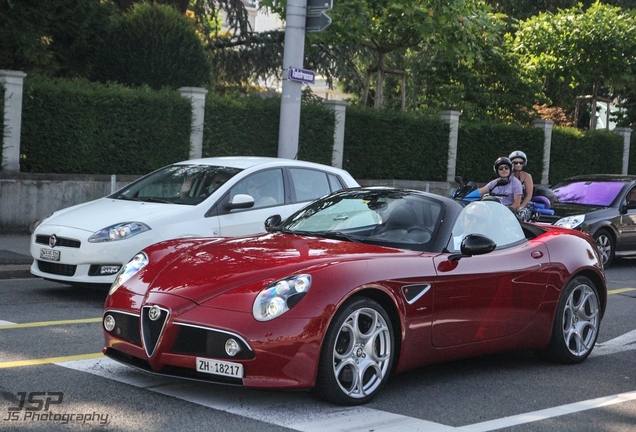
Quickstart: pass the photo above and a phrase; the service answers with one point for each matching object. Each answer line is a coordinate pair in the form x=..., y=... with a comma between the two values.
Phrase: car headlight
x=280, y=296
x=570, y=221
x=137, y=262
x=120, y=231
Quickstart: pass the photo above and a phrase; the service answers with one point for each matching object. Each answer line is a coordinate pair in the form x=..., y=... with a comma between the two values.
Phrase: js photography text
x=36, y=407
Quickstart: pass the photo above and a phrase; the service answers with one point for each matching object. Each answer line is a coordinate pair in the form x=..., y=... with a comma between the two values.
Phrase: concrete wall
x=26, y=198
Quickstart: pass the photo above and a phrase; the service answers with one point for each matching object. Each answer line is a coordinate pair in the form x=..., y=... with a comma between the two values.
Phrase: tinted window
x=596, y=193
x=309, y=184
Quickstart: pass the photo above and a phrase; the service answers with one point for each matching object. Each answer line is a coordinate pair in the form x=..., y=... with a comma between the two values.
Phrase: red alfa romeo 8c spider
x=352, y=288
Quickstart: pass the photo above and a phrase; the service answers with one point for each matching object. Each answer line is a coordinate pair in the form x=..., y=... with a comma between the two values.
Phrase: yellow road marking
x=42, y=361
x=50, y=323
x=620, y=290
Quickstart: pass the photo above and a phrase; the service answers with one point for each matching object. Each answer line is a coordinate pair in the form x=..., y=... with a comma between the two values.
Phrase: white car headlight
x=120, y=231
x=280, y=296
x=570, y=221
x=137, y=262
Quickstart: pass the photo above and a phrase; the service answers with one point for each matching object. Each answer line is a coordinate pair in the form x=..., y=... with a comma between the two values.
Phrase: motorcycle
x=540, y=203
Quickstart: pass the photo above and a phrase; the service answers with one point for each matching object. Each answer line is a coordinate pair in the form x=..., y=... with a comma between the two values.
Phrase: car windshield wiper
x=154, y=199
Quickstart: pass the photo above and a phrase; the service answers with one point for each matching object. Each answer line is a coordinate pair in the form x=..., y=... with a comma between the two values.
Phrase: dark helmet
x=519, y=154
x=502, y=161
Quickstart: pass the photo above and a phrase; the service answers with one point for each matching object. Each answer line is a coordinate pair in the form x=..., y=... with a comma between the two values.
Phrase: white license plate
x=218, y=367
x=50, y=254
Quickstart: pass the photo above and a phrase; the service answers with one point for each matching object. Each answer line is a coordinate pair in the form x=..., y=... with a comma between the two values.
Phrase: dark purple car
x=598, y=205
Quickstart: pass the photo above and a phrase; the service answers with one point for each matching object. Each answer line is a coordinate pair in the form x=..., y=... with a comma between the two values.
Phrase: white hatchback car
x=224, y=196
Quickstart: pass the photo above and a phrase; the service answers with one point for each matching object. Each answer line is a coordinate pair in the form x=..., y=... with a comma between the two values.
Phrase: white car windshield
x=177, y=184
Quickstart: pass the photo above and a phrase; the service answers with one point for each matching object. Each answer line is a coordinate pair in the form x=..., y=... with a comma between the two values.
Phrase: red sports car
x=356, y=286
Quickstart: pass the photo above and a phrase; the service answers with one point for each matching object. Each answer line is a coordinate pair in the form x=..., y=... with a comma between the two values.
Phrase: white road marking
x=302, y=413
x=625, y=342
x=299, y=412
x=549, y=413
x=5, y=323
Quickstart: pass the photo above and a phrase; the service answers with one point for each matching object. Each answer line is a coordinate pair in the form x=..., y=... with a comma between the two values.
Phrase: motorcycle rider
x=510, y=193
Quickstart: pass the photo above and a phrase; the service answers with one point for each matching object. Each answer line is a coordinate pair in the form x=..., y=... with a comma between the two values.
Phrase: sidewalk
x=15, y=259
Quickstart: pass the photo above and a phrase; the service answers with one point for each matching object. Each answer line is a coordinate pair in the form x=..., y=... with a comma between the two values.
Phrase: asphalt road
x=53, y=377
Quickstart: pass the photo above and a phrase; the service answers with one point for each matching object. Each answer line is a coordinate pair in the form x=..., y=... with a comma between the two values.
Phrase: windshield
x=592, y=193
x=393, y=218
x=177, y=184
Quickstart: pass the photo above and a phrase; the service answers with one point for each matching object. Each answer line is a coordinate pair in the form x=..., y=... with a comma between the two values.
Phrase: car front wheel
x=576, y=324
x=605, y=245
x=357, y=355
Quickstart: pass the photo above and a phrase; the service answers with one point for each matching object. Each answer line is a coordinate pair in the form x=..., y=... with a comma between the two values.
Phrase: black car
x=597, y=204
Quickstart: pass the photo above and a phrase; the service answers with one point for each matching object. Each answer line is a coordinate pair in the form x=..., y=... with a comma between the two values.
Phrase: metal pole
x=291, y=92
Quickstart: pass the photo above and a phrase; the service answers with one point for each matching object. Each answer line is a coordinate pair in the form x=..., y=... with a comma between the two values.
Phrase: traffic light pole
x=293, y=56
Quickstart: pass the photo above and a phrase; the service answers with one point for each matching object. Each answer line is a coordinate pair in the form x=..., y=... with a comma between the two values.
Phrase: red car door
x=488, y=296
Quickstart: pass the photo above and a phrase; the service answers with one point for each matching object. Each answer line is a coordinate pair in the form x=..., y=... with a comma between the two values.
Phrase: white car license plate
x=50, y=254
x=218, y=367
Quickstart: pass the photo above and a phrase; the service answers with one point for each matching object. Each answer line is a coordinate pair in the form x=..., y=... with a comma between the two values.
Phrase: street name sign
x=302, y=75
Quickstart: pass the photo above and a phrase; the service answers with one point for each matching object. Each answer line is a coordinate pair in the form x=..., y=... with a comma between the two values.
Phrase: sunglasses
x=504, y=168
x=517, y=163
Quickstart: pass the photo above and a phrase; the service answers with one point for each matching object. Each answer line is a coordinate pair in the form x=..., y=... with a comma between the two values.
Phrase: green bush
x=576, y=152
x=152, y=45
x=88, y=128
x=481, y=143
x=383, y=144
x=248, y=126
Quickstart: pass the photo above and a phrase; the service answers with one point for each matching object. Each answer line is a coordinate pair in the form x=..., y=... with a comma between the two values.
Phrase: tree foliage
x=155, y=45
x=373, y=37
x=523, y=9
x=579, y=52
x=51, y=38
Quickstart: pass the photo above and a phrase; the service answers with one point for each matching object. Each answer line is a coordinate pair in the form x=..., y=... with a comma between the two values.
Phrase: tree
x=152, y=44
x=380, y=32
x=523, y=9
x=580, y=52
x=52, y=38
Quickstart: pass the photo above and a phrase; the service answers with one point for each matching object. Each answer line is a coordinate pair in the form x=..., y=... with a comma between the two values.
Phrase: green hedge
x=576, y=152
x=382, y=144
x=480, y=144
x=88, y=128
x=2, y=126
x=631, y=169
x=248, y=126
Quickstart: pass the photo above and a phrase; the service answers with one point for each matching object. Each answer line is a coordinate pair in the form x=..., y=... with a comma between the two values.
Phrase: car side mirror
x=272, y=222
x=474, y=244
x=241, y=201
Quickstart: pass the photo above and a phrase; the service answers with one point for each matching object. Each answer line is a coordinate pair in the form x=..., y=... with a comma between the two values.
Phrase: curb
x=13, y=271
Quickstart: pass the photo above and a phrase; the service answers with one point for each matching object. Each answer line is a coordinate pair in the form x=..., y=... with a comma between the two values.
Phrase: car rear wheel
x=576, y=323
x=357, y=354
x=605, y=245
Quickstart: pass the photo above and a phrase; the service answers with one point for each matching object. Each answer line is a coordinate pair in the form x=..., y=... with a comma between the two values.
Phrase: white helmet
x=519, y=154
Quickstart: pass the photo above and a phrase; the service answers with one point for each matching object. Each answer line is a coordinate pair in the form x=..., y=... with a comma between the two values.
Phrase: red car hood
x=246, y=265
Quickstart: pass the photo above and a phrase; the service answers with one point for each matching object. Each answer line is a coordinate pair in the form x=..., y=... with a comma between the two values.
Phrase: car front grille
x=60, y=241
x=206, y=342
x=57, y=269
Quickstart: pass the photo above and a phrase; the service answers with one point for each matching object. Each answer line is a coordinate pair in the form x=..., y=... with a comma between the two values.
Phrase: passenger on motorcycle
x=510, y=193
